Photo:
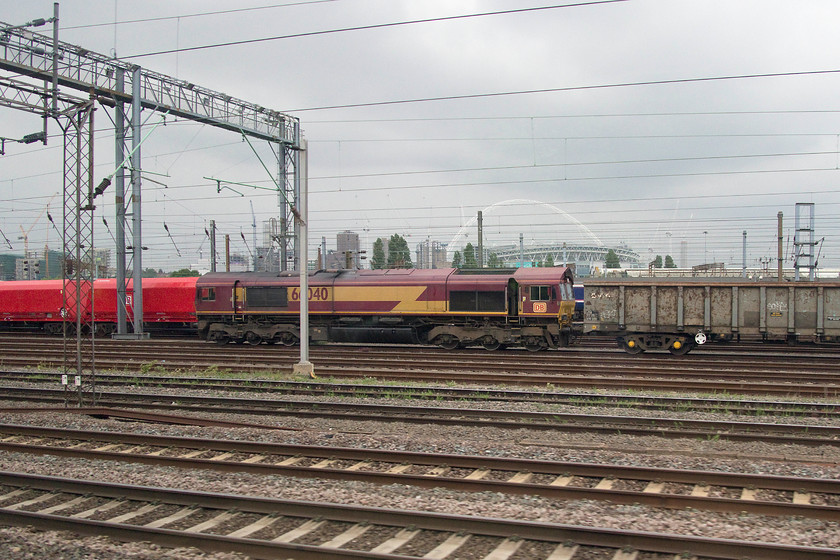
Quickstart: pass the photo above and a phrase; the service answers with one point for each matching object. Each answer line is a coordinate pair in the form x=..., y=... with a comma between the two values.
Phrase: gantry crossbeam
x=30, y=54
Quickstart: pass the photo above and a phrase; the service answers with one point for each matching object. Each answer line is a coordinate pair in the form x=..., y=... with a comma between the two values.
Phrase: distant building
x=348, y=241
x=431, y=254
x=7, y=266
x=38, y=265
x=347, y=249
x=103, y=264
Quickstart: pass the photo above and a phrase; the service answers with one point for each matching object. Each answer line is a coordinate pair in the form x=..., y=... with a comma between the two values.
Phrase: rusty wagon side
x=677, y=315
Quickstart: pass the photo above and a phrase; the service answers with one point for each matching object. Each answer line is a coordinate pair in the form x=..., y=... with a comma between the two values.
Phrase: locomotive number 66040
x=315, y=294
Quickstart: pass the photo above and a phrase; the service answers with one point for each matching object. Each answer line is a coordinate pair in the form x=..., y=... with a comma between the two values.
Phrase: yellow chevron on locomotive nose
x=404, y=297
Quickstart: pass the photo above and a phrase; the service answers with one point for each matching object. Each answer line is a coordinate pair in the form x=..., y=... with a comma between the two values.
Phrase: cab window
x=207, y=294
x=540, y=293
x=566, y=291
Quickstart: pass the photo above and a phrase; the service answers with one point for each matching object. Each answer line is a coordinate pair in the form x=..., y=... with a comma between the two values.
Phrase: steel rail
x=731, y=406
x=501, y=529
x=629, y=379
x=560, y=421
x=571, y=356
x=477, y=474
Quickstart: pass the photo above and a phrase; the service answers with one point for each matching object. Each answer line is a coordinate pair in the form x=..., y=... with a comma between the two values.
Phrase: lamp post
x=705, y=245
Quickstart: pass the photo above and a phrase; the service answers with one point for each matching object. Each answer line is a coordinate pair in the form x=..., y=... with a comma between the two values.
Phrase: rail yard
x=394, y=280
x=196, y=450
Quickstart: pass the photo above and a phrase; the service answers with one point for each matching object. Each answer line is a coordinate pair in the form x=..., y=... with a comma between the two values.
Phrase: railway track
x=437, y=393
x=481, y=417
x=781, y=375
x=657, y=487
x=270, y=528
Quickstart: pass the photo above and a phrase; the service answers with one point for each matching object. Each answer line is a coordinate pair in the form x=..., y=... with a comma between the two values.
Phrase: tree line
x=612, y=261
x=398, y=255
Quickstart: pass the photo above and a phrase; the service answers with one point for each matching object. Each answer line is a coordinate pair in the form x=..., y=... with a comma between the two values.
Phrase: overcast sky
x=644, y=120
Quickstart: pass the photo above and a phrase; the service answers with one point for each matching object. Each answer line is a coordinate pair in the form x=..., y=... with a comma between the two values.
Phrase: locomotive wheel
x=447, y=341
x=288, y=339
x=221, y=338
x=491, y=344
x=680, y=347
x=533, y=344
x=253, y=338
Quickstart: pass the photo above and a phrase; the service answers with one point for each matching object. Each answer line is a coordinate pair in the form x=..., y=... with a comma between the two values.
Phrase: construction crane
x=254, y=226
x=25, y=233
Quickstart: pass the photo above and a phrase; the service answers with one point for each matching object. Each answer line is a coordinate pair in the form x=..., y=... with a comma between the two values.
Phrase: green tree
x=184, y=273
x=669, y=262
x=549, y=261
x=456, y=260
x=611, y=261
x=469, y=256
x=399, y=255
x=493, y=261
x=378, y=260
x=657, y=262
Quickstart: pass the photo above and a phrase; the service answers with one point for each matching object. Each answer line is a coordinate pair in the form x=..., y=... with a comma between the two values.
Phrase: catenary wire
x=372, y=26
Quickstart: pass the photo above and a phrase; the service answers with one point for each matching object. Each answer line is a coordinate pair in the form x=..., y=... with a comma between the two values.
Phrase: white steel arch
x=457, y=243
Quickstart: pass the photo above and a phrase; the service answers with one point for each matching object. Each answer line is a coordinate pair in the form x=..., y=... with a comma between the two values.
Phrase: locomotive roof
x=529, y=275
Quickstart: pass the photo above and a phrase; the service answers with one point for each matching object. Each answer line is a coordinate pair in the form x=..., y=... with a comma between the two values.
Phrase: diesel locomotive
x=450, y=308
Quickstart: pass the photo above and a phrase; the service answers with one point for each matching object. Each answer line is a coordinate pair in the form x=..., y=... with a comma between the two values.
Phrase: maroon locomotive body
x=532, y=307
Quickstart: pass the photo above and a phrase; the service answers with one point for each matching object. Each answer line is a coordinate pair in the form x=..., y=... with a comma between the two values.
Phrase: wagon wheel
x=103, y=329
x=680, y=347
x=253, y=338
x=447, y=341
x=631, y=346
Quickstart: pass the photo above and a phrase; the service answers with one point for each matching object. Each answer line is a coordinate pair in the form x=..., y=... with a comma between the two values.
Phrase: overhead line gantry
x=51, y=65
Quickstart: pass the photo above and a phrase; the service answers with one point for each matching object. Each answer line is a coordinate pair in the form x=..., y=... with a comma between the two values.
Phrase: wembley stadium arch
x=581, y=247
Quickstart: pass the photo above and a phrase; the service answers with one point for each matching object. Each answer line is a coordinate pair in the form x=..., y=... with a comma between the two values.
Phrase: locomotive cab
x=542, y=295
x=546, y=306
x=553, y=299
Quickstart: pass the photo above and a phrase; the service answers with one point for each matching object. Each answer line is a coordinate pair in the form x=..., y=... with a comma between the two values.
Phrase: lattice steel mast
x=106, y=80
